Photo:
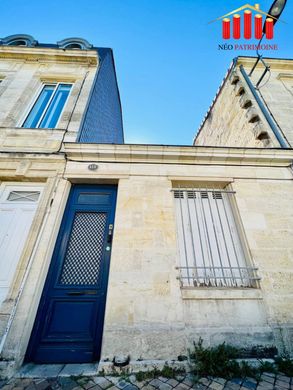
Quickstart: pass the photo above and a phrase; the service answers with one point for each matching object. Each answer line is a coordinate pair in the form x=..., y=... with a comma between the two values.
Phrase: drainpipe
x=264, y=110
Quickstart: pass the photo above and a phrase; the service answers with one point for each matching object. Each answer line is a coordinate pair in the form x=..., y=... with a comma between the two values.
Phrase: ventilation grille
x=217, y=195
x=178, y=194
x=193, y=194
x=23, y=196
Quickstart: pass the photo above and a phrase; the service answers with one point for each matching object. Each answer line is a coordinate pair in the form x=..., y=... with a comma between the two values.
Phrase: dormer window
x=17, y=42
x=74, y=46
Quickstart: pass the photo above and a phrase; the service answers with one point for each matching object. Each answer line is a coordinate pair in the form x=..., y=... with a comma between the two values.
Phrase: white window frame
x=206, y=240
x=37, y=95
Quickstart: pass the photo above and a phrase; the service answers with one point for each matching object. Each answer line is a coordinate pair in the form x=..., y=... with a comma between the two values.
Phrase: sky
x=166, y=53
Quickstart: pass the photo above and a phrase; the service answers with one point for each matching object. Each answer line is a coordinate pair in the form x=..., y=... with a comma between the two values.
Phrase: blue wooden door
x=69, y=323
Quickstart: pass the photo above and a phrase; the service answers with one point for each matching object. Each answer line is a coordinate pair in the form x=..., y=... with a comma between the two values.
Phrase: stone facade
x=235, y=118
x=149, y=315
x=23, y=72
x=34, y=157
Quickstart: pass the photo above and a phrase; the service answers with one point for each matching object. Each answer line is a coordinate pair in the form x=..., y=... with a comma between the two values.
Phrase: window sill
x=221, y=294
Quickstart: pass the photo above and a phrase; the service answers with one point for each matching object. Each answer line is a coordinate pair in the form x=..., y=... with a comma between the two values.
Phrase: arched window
x=74, y=46
x=17, y=42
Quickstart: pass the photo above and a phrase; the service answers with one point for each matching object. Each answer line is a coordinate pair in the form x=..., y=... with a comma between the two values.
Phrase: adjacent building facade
x=244, y=115
x=112, y=250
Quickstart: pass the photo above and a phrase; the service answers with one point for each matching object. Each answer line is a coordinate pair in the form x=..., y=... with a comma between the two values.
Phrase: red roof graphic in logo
x=247, y=23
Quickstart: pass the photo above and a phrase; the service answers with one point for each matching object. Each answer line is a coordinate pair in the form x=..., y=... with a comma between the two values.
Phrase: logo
x=247, y=22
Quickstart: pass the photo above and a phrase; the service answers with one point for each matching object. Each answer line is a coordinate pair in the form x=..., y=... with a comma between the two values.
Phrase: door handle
x=110, y=234
x=75, y=292
x=89, y=292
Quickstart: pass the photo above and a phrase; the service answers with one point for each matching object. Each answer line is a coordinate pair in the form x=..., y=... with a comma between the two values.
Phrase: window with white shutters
x=210, y=249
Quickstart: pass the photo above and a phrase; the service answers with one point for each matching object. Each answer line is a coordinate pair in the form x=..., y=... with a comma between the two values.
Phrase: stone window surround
x=46, y=81
x=216, y=293
x=50, y=78
x=85, y=60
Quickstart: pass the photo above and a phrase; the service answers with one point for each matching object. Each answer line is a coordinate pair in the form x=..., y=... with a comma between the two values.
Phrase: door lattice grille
x=83, y=257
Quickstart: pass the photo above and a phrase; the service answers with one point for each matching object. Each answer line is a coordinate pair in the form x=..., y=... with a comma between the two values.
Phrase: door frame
x=62, y=231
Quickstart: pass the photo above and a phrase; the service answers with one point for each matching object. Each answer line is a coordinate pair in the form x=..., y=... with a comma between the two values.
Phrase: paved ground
x=181, y=382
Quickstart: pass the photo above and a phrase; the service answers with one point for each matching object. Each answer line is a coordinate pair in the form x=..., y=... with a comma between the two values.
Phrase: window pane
x=38, y=109
x=54, y=110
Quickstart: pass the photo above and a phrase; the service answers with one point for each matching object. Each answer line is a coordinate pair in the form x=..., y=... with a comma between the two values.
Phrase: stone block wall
x=148, y=314
x=150, y=317
x=278, y=96
x=22, y=78
x=235, y=118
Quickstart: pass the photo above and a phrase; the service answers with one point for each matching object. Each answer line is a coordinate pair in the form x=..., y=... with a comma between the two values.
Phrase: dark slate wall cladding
x=102, y=121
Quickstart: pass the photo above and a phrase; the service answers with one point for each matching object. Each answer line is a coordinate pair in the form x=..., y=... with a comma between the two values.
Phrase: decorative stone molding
x=74, y=43
x=234, y=78
x=252, y=115
x=30, y=140
x=245, y=101
x=19, y=40
x=259, y=131
x=28, y=166
x=150, y=154
x=282, y=76
x=239, y=89
x=274, y=63
x=44, y=55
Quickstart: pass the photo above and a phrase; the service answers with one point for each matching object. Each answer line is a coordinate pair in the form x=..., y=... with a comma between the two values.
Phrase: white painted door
x=18, y=204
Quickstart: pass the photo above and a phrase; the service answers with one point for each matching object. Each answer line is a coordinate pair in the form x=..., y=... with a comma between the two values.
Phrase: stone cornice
x=33, y=54
x=37, y=157
x=178, y=154
x=274, y=63
x=30, y=166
